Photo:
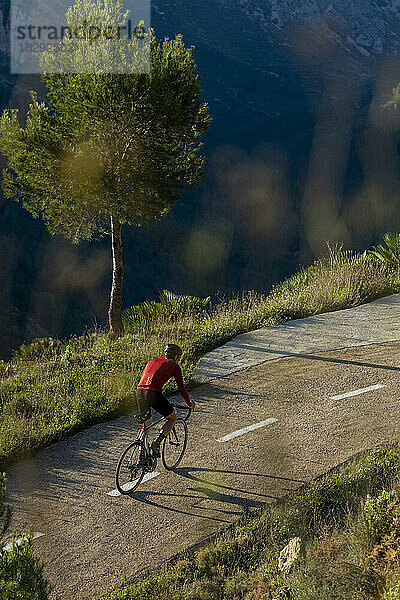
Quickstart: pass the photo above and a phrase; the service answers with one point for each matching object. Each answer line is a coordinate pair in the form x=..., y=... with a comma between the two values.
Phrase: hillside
x=298, y=153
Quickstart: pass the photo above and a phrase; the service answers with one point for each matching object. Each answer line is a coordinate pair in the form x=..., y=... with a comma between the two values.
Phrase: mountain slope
x=299, y=152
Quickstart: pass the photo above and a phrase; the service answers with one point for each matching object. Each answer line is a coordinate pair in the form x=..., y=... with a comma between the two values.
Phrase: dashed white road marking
x=357, y=392
x=19, y=541
x=234, y=434
x=128, y=486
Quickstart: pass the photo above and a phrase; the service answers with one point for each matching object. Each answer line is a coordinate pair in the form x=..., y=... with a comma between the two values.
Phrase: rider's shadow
x=211, y=496
x=214, y=492
x=193, y=474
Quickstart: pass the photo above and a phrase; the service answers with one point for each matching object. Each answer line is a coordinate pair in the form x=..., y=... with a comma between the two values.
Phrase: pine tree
x=106, y=149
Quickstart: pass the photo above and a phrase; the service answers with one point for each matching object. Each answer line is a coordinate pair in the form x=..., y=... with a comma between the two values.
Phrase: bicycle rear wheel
x=174, y=445
x=128, y=475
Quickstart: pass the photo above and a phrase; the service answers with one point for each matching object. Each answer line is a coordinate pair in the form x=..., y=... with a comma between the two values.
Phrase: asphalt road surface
x=378, y=321
x=93, y=541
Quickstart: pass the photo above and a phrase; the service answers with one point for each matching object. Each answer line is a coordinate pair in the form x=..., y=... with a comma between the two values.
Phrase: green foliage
x=330, y=498
x=341, y=280
x=337, y=257
x=106, y=144
x=377, y=518
x=392, y=592
x=21, y=573
x=170, y=307
x=39, y=348
x=97, y=53
x=182, y=305
x=333, y=262
x=389, y=255
x=357, y=561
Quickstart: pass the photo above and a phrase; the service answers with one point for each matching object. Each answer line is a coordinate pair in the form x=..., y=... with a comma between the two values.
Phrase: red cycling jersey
x=158, y=371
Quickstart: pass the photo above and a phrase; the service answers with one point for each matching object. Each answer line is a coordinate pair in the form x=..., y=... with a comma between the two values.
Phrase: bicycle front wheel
x=174, y=445
x=129, y=475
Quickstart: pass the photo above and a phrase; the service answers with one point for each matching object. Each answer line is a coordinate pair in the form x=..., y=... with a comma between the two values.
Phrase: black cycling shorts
x=151, y=398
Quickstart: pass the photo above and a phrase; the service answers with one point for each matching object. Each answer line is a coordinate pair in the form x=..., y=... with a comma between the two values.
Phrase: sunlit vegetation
x=102, y=151
x=21, y=573
x=52, y=388
x=348, y=524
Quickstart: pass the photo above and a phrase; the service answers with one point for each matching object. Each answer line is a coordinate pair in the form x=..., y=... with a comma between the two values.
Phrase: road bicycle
x=130, y=471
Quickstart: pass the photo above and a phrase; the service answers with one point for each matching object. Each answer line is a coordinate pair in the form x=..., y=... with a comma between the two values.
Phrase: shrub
x=376, y=531
x=170, y=306
x=389, y=255
x=21, y=573
x=38, y=348
x=392, y=591
x=377, y=517
x=337, y=257
x=330, y=499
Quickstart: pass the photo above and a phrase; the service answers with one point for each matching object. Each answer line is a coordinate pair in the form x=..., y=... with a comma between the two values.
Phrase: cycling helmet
x=171, y=350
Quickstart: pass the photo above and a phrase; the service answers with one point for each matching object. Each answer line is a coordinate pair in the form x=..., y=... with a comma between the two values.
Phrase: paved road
x=93, y=541
x=371, y=323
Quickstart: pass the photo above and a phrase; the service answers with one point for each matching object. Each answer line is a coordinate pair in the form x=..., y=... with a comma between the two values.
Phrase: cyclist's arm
x=181, y=386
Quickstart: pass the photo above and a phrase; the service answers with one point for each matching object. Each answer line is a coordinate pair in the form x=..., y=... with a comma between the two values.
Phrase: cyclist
x=149, y=391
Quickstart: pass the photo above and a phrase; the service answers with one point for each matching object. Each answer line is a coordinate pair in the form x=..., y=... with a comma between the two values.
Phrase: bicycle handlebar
x=186, y=407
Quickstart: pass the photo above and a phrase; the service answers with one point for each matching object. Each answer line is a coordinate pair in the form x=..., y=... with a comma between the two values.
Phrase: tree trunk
x=117, y=288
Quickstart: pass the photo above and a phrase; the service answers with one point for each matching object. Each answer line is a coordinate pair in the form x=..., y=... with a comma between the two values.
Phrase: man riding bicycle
x=149, y=391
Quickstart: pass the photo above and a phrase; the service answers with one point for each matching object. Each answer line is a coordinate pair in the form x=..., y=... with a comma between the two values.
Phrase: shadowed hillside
x=299, y=152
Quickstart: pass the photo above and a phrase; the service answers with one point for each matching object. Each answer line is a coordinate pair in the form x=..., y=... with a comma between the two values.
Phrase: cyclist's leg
x=165, y=409
x=144, y=401
x=169, y=423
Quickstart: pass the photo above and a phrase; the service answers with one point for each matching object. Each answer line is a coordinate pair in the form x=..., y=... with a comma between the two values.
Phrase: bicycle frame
x=142, y=433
